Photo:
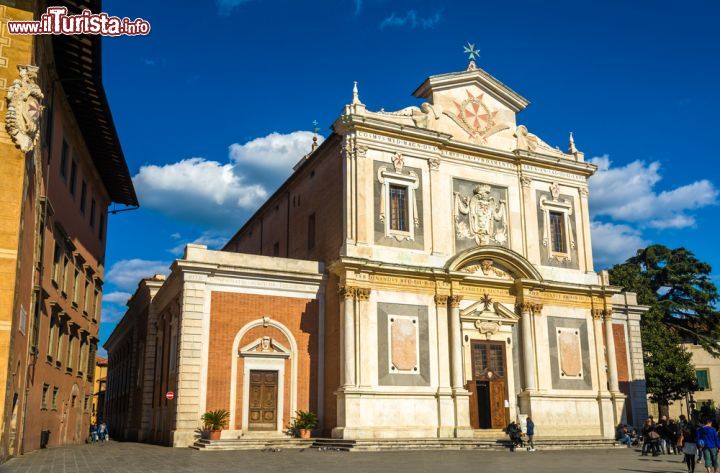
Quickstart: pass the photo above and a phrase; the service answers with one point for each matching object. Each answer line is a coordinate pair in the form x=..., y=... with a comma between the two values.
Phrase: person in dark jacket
x=530, y=434
x=515, y=433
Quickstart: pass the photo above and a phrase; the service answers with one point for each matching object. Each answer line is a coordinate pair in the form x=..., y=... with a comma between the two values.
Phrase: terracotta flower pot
x=305, y=433
x=214, y=434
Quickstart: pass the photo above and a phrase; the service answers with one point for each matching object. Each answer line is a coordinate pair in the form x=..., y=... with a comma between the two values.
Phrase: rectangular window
x=96, y=306
x=399, y=208
x=52, y=333
x=55, y=397
x=73, y=177
x=86, y=297
x=66, y=269
x=83, y=196
x=60, y=344
x=64, y=155
x=311, y=232
x=557, y=232
x=101, y=226
x=92, y=212
x=70, y=352
x=44, y=401
x=703, y=379
x=35, y=314
x=57, y=254
x=76, y=286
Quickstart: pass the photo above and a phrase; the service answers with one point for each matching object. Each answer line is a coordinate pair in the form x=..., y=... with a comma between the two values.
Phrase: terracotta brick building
x=62, y=166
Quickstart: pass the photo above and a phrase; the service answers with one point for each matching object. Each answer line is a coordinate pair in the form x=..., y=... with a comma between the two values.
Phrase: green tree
x=677, y=285
x=682, y=300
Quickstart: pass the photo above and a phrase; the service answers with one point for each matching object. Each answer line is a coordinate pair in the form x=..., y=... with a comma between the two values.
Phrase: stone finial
x=571, y=148
x=356, y=96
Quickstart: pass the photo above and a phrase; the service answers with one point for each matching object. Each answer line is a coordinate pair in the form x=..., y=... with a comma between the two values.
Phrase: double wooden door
x=488, y=387
x=263, y=400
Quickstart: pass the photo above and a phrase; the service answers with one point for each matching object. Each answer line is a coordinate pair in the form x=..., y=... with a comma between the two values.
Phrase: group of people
x=516, y=434
x=98, y=433
x=697, y=441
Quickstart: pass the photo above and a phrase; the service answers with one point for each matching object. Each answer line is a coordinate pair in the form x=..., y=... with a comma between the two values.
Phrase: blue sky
x=214, y=106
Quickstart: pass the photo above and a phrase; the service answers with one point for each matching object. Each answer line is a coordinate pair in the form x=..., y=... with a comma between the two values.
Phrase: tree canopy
x=682, y=299
x=678, y=286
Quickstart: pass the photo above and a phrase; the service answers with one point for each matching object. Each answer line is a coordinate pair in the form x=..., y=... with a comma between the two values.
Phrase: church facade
x=425, y=272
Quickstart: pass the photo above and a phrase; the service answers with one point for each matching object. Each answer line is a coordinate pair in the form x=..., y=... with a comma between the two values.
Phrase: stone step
x=251, y=444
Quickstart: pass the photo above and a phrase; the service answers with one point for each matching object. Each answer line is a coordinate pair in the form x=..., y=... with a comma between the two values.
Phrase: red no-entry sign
x=169, y=395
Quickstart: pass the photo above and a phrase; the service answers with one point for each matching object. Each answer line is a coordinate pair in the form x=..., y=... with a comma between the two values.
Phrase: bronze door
x=488, y=388
x=263, y=400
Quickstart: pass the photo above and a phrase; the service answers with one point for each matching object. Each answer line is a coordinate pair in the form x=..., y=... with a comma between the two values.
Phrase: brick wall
x=229, y=313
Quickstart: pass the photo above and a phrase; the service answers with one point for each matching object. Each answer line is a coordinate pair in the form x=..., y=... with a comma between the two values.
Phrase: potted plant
x=304, y=423
x=214, y=421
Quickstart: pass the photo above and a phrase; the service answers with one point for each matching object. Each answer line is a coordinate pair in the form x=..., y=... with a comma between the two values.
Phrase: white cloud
x=411, y=19
x=613, y=243
x=627, y=193
x=213, y=240
x=199, y=191
x=126, y=274
x=110, y=314
x=277, y=152
x=117, y=297
x=220, y=195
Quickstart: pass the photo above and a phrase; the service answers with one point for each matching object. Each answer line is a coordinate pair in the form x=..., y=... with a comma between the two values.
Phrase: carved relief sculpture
x=24, y=99
x=487, y=268
x=476, y=118
x=486, y=217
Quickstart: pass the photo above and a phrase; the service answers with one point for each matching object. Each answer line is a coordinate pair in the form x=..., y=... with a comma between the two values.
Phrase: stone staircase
x=398, y=444
x=252, y=442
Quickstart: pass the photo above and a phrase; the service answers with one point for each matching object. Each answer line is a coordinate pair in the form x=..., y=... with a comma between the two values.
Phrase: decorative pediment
x=485, y=310
x=264, y=347
x=503, y=259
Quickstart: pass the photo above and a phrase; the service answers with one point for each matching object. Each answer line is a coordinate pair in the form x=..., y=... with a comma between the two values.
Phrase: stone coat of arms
x=481, y=217
x=24, y=98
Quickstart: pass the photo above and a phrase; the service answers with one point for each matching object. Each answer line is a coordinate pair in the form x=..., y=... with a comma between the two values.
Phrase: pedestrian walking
x=650, y=438
x=102, y=432
x=707, y=438
x=688, y=446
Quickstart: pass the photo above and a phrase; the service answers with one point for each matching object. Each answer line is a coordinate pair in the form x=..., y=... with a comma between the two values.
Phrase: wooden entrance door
x=488, y=387
x=263, y=400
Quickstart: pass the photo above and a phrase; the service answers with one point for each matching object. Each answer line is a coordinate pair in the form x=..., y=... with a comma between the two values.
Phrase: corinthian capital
x=348, y=292
x=363, y=293
x=454, y=301
x=441, y=300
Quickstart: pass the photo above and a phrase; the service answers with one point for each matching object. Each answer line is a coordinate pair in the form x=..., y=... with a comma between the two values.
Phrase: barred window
x=557, y=232
x=399, y=208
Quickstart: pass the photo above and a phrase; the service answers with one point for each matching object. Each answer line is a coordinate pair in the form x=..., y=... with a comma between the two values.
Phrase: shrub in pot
x=214, y=422
x=304, y=423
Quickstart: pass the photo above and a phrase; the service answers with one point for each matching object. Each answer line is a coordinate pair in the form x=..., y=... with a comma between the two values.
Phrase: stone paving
x=116, y=457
